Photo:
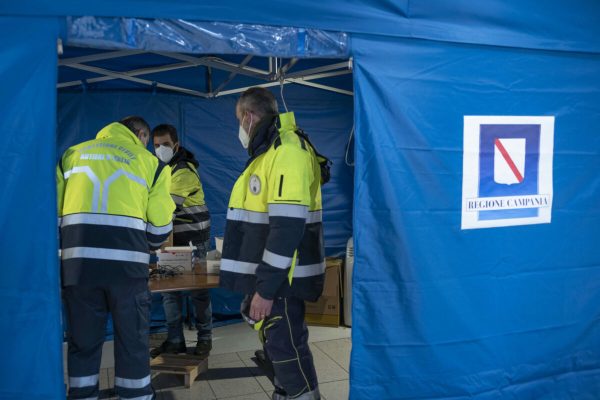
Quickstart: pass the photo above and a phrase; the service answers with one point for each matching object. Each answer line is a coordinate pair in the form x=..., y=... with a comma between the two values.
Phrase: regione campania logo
x=507, y=171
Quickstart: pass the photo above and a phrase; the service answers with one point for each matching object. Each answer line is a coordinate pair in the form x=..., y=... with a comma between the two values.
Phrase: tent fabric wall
x=504, y=313
x=30, y=319
x=555, y=24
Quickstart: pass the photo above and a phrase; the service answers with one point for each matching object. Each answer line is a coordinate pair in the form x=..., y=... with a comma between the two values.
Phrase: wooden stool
x=189, y=366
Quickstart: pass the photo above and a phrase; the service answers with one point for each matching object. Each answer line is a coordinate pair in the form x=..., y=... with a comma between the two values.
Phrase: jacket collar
x=183, y=155
x=287, y=121
x=119, y=131
x=267, y=132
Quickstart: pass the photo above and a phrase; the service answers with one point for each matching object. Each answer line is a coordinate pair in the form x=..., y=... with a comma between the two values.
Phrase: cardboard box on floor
x=326, y=310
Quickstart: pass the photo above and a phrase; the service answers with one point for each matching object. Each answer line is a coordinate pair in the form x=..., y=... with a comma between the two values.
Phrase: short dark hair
x=136, y=124
x=259, y=101
x=166, y=129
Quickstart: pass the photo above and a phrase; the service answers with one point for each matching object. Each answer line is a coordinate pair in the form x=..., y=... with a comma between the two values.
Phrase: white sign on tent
x=507, y=171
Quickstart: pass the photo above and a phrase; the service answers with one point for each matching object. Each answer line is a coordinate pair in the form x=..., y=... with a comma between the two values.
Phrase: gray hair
x=258, y=101
x=136, y=125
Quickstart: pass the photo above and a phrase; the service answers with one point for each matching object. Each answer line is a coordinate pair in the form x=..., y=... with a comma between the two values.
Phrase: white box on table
x=176, y=257
x=213, y=262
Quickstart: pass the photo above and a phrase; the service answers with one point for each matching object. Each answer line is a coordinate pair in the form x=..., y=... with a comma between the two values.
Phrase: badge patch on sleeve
x=255, y=185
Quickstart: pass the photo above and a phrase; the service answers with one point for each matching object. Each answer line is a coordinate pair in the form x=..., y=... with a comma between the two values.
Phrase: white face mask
x=164, y=153
x=243, y=135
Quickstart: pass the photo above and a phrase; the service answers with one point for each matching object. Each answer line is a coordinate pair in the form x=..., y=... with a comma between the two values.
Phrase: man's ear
x=143, y=138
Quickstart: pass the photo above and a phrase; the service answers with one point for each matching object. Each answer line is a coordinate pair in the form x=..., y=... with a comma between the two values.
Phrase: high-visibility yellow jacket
x=275, y=214
x=113, y=206
x=192, y=219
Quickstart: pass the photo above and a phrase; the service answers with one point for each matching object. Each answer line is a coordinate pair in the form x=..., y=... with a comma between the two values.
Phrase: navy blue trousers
x=286, y=345
x=87, y=309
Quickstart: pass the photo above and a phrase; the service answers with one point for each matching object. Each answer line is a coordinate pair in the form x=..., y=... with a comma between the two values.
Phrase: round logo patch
x=254, y=184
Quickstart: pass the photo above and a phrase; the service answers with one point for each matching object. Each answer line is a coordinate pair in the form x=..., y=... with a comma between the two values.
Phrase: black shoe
x=169, y=348
x=260, y=355
x=203, y=348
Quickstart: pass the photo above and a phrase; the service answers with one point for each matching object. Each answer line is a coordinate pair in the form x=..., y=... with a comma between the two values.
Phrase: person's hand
x=260, y=308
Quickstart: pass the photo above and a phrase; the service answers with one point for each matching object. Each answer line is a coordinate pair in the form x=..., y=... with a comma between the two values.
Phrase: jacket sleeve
x=60, y=191
x=183, y=183
x=288, y=184
x=160, y=209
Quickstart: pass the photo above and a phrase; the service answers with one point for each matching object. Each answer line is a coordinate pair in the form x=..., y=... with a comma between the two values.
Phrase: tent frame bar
x=318, y=70
x=283, y=70
x=276, y=75
x=120, y=75
x=217, y=63
x=135, y=72
x=99, y=57
x=231, y=76
x=306, y=81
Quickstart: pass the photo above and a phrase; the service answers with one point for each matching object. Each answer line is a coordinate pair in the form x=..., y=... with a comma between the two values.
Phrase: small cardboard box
x=213, y=262
x=326, y=310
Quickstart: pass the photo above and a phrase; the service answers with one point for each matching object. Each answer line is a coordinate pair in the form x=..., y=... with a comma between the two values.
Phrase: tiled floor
x=232, y=375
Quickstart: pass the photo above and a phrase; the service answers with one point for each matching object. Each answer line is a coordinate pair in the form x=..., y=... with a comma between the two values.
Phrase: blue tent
x=467, y=114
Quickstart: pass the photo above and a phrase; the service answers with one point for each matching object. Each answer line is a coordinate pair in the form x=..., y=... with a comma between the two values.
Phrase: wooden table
x=185, y=281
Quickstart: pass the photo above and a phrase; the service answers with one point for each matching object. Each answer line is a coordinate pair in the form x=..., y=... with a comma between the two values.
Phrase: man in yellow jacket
x=273, y=245
x=113, y=207
x=191, y=224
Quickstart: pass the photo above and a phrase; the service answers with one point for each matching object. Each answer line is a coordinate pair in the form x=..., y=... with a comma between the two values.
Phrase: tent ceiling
x=205, y=76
